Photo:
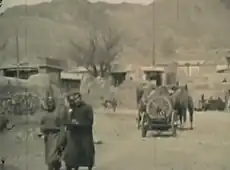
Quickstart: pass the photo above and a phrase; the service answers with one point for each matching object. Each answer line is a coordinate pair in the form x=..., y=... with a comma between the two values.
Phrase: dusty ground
x=206, y=147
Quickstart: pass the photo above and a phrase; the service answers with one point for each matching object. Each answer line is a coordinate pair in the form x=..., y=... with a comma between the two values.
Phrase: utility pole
x=26, y=31
x=27, y=119
x=154, y=34
x=178, y=20
x=17, y=53
x=178, y=10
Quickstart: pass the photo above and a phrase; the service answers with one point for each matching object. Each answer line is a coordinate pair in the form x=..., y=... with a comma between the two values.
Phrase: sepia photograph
x=114, y=84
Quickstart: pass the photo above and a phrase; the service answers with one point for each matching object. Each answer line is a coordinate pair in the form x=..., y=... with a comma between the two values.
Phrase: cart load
x=159, y=114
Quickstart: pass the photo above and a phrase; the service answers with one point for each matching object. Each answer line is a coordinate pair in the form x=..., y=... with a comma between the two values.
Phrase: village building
x=224, y=67
x=119, y=74
x=79, y=70
x=70, y=81
x=185, y=67
x=72, y=78
x=24, y=70
x=189, y=70
x=154, y=73
x=223, y=71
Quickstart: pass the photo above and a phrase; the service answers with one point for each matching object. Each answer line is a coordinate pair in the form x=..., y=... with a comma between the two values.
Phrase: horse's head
x=163, y=90
x=183, y=88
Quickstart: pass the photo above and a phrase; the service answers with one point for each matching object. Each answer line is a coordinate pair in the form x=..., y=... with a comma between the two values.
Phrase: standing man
x=54, y=135
x=79, y=151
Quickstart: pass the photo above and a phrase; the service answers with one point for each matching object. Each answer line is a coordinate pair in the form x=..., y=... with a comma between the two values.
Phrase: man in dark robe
x=54, y=135
x=79, y=150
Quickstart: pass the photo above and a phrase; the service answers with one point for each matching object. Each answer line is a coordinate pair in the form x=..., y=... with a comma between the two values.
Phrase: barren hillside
x=198, y=25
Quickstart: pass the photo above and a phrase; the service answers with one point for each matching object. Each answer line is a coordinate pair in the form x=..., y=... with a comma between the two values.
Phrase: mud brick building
x=23, y=70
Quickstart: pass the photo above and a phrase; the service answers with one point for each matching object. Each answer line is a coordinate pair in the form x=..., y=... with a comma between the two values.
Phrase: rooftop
x=115, y=68
x=39, y=62
x=77, y=69
x=183, y=62
x=70, y=76
x=118, y=68
x=191, y=62
x=152, y=68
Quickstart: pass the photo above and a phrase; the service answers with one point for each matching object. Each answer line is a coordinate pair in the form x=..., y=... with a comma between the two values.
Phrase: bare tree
x=99, y=52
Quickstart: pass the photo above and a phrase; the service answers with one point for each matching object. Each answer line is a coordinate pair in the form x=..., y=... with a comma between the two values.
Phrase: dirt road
x=206, y=147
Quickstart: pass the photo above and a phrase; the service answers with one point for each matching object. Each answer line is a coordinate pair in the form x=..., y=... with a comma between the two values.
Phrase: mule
x=181, y=102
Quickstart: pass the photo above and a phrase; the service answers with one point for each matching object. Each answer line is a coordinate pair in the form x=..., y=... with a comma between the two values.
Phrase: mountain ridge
x=201, y=27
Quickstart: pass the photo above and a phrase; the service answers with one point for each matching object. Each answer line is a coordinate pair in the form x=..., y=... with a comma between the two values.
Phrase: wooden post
x=178, y=10
x=17, y=53
x=154, y=34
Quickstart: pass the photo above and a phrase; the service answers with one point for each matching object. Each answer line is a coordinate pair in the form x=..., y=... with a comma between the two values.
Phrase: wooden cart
x=159, y=115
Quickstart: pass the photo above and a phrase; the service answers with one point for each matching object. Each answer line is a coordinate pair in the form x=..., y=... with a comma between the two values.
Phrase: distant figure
x=224, y=80
x=202, y=97
x=54, y=135
x=110, y=103
x=203, y=103
x=5, y=123
x=2, y=167
x=114, y=104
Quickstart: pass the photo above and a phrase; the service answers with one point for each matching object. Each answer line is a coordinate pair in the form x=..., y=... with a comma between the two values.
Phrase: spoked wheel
x=173, y=124
x=159, y=106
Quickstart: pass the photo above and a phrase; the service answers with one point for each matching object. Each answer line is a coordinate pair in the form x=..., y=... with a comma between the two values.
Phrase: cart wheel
x=173, y=125
x=144, y=127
